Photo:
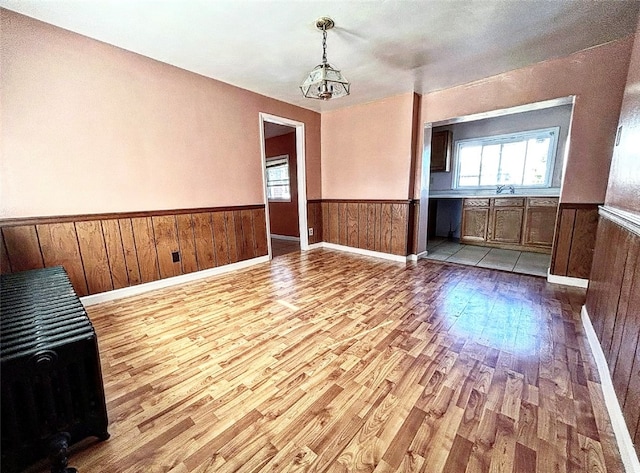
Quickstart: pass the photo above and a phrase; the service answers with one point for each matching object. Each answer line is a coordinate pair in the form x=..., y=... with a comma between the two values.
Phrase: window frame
x=275, y=161
x=503, y=139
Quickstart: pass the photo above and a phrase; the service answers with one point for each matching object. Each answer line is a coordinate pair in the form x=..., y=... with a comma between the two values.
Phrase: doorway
x=283, y=162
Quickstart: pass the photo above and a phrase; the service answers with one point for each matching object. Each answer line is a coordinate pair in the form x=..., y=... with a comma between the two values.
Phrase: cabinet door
x=440, y=151
x=474, y=224
x=506, y=224
x=540, y=223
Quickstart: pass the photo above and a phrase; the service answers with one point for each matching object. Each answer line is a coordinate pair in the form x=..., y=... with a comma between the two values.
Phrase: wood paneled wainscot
x=314, y=220
x=575, y=240
x=111, y=251
x=522, y=223
x=381, y=226
x=612, y=304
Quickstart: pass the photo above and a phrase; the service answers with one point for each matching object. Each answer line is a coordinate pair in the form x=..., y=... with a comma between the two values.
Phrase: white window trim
x=518, y=136
x=274, y=160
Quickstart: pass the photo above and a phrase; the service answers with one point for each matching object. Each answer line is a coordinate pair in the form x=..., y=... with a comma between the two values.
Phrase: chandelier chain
x=324, y=45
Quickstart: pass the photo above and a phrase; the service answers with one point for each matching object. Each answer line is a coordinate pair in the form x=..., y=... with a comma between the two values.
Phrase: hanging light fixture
x=324, y=81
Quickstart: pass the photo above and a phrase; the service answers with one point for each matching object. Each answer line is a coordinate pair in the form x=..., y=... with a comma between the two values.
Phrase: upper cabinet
x=440, y=151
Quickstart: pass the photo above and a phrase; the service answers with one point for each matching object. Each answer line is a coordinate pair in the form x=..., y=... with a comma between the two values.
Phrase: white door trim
x=301, y=175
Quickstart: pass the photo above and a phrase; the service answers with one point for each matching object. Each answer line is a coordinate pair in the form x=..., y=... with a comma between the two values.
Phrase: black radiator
x=50, y=377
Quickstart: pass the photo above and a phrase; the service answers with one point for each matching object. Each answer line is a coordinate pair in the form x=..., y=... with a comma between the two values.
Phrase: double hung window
x=278, y=185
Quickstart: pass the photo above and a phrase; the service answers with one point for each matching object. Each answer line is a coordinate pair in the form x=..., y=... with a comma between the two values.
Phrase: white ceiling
x=383, y=47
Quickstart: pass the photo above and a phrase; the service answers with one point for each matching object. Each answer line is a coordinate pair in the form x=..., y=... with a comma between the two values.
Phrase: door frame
x=300, y=177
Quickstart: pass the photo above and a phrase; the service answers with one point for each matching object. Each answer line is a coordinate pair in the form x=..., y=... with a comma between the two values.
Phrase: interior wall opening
x=494, y=186
x=284, y=184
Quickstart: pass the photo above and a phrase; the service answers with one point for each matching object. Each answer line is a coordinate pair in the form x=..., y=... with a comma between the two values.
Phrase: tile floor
x=494, y=258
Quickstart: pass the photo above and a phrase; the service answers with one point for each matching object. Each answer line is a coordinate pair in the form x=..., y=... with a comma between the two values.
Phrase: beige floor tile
x=471, y=255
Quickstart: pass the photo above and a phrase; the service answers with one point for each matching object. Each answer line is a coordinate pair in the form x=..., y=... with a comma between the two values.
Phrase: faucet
x=501, y=187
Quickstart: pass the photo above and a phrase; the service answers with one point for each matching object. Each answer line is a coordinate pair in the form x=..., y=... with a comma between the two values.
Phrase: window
x=278, y=179
x=519, y=159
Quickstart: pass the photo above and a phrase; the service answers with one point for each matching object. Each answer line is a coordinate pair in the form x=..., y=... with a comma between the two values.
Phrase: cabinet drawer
x=542, y=201
x=508, y=202
x=476, y=202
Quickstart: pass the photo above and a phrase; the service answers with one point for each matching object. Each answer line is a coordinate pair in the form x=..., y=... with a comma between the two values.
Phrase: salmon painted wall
x=366, y=150
x=283, y=216
x=624, y=181
x=91, y=128
x=595, y=76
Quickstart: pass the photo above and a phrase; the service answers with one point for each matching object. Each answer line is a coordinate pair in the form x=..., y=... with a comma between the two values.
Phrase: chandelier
x=324, y=81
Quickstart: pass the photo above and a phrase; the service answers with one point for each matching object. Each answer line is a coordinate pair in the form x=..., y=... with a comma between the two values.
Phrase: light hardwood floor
x=325, y=361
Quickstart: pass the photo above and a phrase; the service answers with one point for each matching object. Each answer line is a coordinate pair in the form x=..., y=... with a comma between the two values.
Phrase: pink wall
x=283, y=216
x=624, y=181
x=595, y=76
x=91, y=128
x=366, y=150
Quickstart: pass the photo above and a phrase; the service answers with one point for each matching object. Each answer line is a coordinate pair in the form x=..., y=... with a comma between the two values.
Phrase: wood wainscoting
x=612, y=303
x=412, y=230
x=314, y=220
x=376, y=225
x=103, y=252
x=575, y=240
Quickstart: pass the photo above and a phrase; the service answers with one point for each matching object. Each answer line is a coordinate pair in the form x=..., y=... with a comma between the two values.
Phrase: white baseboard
x=313, y=246
x=359, y=251
x=625, y=444
x=162, y=283
x=567, y=281
x=414, y=257
x=285, y=237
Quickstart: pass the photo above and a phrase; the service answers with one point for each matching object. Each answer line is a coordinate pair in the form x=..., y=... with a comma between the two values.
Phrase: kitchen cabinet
x=440, y=151
x=519, y=223
x=506, y=225
x=475, y=220
x=540, y=221
x=505, y=220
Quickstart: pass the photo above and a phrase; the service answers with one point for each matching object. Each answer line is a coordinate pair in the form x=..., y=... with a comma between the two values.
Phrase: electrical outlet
x=175, y=256
x=311, y=232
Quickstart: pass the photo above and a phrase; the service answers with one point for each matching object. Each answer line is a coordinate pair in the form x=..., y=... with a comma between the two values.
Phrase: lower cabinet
x=505, y=224
x=524, y=223
x=475, y=218
x=540, y=222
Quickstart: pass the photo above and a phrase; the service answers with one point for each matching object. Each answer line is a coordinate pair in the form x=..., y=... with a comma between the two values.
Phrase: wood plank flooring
x=327, y=362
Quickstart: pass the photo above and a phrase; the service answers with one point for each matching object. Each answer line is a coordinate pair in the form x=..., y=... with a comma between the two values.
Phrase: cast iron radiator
x=50, y=376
